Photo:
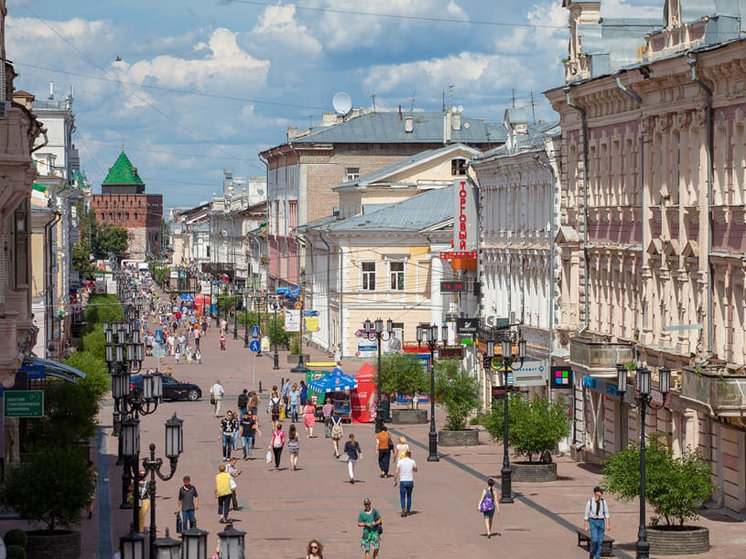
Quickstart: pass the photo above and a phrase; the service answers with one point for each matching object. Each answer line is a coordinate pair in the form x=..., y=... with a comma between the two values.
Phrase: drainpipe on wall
x=692, y=60
x=643, y=252
x=328, y=292
x=584, y=125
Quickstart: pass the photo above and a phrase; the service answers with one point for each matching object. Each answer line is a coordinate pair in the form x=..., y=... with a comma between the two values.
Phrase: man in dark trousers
x=597, y=521
x=188, y=503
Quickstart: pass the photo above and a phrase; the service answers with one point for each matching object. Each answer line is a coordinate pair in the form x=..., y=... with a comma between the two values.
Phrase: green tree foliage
x=81, y=252
x=51, y=487
x=227, y=302
x=102, y=308
x=676, y=488
x=534, y=426
x=276, y=330
x=95, y=342
x=159, y=272
x=97, y=380
x=403, y=373
x=110, y=239
x=457, y=390
x=69, y=414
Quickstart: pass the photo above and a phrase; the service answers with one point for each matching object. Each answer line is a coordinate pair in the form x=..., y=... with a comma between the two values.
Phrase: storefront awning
x=36, y=367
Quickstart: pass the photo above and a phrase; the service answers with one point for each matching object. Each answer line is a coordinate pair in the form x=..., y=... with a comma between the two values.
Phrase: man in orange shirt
x=384, y=444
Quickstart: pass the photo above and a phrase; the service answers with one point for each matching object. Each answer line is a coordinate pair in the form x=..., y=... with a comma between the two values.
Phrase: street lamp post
x=643, y=397
x=235, y=316
x=174, y=447
x=301, y=366
x=375, y=331
x=429, y=335
x=246, y=318
x=508, y=363
x=276, y=358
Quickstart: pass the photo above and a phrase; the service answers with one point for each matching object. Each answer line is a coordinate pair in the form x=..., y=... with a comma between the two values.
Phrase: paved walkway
x=281, y=511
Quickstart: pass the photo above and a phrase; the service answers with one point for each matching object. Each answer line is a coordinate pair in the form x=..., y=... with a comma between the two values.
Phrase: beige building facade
x=651, y=242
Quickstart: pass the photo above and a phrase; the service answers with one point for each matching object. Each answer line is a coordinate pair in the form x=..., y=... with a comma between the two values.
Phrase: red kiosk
x=364, y=397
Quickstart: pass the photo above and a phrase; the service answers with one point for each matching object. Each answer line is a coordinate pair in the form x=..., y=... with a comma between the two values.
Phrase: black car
x=173, y=389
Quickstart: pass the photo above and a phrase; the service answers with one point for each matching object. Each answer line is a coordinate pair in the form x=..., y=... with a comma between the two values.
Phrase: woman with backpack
x=488, y=505
x=337, y=433
x=273, y=406
x=277, y=443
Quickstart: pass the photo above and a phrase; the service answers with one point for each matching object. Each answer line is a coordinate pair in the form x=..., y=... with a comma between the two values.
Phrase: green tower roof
x=122, y=172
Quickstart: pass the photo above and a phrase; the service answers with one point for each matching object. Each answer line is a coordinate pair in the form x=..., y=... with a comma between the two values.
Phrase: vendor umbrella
x=336, y=381
x=186, y=297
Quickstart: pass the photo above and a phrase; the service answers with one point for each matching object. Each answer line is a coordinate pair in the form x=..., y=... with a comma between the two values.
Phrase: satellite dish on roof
x=342, y=102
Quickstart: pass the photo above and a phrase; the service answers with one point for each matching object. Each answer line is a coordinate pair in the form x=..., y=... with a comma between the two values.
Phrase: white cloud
x=277, y=32
x=226, y=63
x=632, y=9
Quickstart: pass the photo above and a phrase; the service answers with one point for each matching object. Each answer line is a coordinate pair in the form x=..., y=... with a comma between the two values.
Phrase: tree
x=102, y=308
x=676, y=488
x=457, y=390
x=52, y=486
x=81, y=251
x=404, y=374
x=110, y=239
x=97, y=381
x=534, y=426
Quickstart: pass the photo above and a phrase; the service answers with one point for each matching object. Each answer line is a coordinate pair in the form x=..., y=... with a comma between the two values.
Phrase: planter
x=408, y=417
x=293, y=358
x=43, y=544
x=678, y=540
x=468, y=437
x=533, y=472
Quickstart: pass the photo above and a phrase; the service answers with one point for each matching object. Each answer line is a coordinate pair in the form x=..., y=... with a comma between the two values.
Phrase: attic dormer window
x=352, y=173
x=458, y=167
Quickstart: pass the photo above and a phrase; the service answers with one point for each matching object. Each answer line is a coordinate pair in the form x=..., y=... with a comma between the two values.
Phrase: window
x=396, y=274
x=352, y=173
x=21, y=233
x=458, y=167
x=369, y=276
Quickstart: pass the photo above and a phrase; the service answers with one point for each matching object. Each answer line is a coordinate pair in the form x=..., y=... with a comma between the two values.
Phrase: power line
x=424, y=19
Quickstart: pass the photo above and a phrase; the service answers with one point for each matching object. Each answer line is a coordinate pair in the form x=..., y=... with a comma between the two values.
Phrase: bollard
x=260, y=387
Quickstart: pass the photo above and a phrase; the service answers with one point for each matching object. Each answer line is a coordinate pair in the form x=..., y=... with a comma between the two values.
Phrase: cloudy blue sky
x=192, y=86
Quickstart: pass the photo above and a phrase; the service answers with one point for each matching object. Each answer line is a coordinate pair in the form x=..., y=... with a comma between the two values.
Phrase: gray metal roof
x=413, y=214
x=537, y=136
x=614, y=43
x=388, y=127
x=406, y=163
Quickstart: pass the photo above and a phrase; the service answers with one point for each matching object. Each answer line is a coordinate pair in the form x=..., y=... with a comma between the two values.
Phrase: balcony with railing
x=723, y=393
x=599, y=358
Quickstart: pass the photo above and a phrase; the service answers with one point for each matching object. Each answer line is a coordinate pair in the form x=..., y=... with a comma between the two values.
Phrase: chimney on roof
x=408, y=124
x=327, y=119
x=399, y=112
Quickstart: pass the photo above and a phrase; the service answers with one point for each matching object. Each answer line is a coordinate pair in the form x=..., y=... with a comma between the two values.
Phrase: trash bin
x=386, y=410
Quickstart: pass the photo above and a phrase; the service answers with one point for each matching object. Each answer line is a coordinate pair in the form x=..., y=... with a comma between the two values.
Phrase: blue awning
x=336, y=381
x=37, y=367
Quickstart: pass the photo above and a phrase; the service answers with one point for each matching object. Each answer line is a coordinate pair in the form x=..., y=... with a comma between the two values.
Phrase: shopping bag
x=268, y=458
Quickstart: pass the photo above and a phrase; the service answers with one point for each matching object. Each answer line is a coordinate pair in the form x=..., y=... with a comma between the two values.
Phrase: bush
x=102, y=308
x=16, y=536
x=295, y=345
x=51, y=486
x=676, y=488
x=97, y=380
x=94, y=342
x=457, y=390
x=276, y=331
x=15, y=552
x=403, y=373
x=534, y=426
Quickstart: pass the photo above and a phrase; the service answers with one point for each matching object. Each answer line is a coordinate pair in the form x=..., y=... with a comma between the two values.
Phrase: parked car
x=173, y=389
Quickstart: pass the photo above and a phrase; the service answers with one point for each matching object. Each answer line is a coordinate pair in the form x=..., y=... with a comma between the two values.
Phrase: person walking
x=277, y=443
x=253, y=403
x=369, y=520
x=401, y=448
x=488, y=505
x=223, y=326
x=314, y=550
x=243, y=402
x=309, y=418
x=327, y=410
x=597, y=521
x=216, y=396
x=248, y=434
x=188, y=503
x=197, y=335
x=338, y=355
x=384, y=444
x=234, y=473
x=353, y=452
x=223, y=493
x=405, y=470
x=336, y=433
x=273, y=406
x=293, y=445
x=228, y=427
x=221, y=341
x=294, y=397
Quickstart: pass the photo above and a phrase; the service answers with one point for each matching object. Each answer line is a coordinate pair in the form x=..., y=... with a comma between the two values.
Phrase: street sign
x=23, y=403
x=159, y=352
x=466, y=327
x=254, y=332
x=255, y=346
x=294, y=291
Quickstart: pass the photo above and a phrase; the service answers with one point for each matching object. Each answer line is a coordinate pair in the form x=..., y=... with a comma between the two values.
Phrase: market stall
x=364, y=397
x=335, y=385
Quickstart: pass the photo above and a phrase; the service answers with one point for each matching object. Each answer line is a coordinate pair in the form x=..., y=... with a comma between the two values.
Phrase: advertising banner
x=292, y=320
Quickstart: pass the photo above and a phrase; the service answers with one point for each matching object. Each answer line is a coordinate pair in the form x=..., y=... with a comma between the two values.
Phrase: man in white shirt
x=405, y=469
x=596, y=518
x=216, y=393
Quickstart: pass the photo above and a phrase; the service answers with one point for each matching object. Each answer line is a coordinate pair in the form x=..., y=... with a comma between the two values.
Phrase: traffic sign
x=294, y=291
x=23, y=403
x=159, y=352
x=255, y=346
x=254, y=332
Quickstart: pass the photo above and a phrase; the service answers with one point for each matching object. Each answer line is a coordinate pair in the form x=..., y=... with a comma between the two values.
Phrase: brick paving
x=281, y=511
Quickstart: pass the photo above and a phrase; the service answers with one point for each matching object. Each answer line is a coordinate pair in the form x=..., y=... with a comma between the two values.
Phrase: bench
x=607, y=549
